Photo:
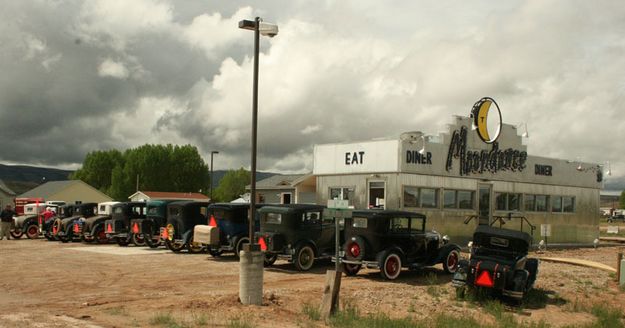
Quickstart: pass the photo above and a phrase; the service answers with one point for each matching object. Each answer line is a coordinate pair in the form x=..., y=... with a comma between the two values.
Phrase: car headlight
x=470, y=244
x=170, y=231
x=445, y=239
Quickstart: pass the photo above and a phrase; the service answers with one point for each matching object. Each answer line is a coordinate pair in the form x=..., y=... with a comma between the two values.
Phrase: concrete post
x=251, y=277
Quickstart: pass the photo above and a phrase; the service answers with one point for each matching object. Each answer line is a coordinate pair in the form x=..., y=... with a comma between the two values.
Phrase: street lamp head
x=266, y=29
x=214, y=152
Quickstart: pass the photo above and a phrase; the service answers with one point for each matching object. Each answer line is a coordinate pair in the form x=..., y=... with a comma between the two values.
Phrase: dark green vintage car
x=150, y=226
x=296, y=232
x=182, y=217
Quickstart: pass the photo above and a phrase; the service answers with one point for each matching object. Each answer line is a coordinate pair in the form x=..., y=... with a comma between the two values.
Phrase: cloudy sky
x=77, y=76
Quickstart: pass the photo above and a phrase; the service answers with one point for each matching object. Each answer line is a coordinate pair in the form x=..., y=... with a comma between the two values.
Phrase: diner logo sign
x=488, y=129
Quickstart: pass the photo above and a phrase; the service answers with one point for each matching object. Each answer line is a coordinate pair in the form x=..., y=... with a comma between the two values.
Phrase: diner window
x=458, y=199
x=541, y=203
x=342, y=193
x=556, y=204
x=536, y=203
x=563, y=204
x=508, y=202
x=420, y=197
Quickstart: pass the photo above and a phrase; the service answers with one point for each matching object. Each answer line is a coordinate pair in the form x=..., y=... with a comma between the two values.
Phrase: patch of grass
x=353, y=320
x=447, y=320
x=494, y=308
x=200, y=320
x=166, y=320
x=411, y=308
x=607, y=317
x=311, y=311
x=431, y=279
x=118, y=310
x=239, y=323
x=433, y=291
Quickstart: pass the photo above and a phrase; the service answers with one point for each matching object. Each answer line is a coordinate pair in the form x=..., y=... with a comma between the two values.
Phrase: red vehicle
x=20, y=202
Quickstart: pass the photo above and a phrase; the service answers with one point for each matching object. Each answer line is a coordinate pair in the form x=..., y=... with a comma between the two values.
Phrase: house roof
x=279, y=182
x=171, y=195
x=6, y=189
x=49, y=188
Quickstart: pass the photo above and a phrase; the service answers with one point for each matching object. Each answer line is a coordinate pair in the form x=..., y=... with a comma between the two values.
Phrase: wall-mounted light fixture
x=525, y=134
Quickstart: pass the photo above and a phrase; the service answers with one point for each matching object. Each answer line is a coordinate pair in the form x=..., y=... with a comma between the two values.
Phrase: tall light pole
x=251, y=271
x=211, y=184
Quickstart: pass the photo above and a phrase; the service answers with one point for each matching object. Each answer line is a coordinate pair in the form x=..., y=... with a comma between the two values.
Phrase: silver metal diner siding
x=395, y=163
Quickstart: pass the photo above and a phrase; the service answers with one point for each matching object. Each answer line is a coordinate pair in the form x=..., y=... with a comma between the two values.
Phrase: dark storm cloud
x=85, y=75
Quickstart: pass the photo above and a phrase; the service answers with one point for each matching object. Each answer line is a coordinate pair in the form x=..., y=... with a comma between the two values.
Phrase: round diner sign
x=486, y=118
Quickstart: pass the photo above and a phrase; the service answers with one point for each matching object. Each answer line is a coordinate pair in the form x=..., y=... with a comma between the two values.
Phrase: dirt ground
x=50, y=284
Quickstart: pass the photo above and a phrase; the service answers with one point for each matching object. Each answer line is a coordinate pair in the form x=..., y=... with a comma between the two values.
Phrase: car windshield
x=273, y=218
x=406, y=224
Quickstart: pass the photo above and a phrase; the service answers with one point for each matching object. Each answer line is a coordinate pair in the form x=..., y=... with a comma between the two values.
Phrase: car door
x=400, y=235
x=310, y=226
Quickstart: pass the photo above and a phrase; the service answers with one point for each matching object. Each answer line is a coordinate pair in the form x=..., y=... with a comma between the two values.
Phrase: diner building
x=462, y=177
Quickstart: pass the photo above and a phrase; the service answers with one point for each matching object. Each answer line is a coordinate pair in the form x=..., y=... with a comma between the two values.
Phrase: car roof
x=287, y=208
x=233, y=205
x=484, y=230
x=385, y=214
x=183, y=203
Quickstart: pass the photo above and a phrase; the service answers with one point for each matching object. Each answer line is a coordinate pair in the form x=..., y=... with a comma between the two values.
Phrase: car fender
x=394, y=248
x=186, y=237
x=443, y=251
x=305, y=242
x=95, y=226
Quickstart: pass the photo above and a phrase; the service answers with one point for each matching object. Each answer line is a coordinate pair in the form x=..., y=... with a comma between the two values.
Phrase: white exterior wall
x=335, y=167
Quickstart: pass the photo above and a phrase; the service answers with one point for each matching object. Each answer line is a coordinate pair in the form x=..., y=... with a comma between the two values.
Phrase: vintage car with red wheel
x=391, y=240
x=28, y=223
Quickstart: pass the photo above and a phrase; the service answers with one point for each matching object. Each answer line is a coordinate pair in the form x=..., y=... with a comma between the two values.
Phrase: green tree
x=232, y=185
x=621, y=201
x=155, y=167
x=97, y=167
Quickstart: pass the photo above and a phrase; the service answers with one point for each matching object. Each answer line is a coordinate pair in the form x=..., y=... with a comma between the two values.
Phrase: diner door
x=484, y=204
x=377, y=191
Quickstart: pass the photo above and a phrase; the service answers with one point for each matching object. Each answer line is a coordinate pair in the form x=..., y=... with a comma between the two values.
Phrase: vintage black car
x=391, y=240
x=118, y=227
x=498, y=262
x=64, y=227
x=296, y=232
x=92, y=228
x=51, y=229
x=182, y=217
x=155, y=219
x=231, y=223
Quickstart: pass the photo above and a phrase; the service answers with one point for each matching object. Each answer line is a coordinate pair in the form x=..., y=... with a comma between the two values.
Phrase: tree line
x=156, y=168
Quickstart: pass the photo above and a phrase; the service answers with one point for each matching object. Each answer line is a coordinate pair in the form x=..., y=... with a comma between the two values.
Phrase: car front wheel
x=270, y=259
x=450, y=264
x=304, y=258
x=138, y=239
x=391, y=266
x=174, y=246
x=32, y=232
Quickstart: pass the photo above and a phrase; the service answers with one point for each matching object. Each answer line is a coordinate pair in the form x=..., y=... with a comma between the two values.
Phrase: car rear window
x=359, y=223
x=273, y=218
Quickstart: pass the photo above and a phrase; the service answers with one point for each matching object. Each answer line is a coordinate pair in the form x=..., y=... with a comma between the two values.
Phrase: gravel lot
x=50, y=284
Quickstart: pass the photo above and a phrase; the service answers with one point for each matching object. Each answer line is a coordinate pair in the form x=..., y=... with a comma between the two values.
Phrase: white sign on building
x=363, y=157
